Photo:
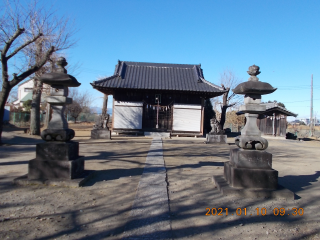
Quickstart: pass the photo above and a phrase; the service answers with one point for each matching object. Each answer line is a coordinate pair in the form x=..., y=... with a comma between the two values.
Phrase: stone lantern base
x=249, y=173
x=56, y=160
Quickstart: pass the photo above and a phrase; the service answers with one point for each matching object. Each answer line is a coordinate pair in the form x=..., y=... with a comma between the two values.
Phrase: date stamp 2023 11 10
x=258, y=212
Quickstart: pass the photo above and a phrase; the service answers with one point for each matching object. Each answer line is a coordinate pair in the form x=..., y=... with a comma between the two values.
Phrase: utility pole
x=311, y=108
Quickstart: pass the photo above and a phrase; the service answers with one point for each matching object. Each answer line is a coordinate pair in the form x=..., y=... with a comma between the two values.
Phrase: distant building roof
x=158, y=76
x=274, y=108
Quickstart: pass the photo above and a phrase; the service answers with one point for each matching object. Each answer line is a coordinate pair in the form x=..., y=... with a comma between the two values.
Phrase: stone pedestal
x=55, y=169
x=56, y=160
x=250, y=169
x=59, y=151
x=214, y=138
x=253, y=159
x=100, y=134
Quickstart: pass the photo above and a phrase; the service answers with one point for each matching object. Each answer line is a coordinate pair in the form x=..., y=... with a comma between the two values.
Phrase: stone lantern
x=249, y=171
x=58, y=157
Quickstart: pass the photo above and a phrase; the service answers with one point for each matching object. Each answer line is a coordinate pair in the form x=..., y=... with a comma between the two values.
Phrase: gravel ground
x=101, y=209
x=190, y=166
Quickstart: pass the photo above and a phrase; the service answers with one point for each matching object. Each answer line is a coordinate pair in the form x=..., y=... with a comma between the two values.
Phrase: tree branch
x=231, y=105
x=36, y=67
x=11, y=40
x=24, y=45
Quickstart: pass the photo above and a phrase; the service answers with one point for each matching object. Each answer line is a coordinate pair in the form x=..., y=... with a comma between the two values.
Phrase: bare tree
x=21, y=27
x=80, y=104
x=228, y=81
x=57, y=32
x=235, y=120
x=74, y=110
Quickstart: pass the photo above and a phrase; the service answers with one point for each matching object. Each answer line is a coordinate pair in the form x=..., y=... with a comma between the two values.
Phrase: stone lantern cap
x=253, y=85
x=60, y=76
x=59, y=79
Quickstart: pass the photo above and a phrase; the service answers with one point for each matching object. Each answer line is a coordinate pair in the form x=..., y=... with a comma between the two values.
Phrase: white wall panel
x=189, y=106
x=132, y=104
x=186, y=117
x=128, y=116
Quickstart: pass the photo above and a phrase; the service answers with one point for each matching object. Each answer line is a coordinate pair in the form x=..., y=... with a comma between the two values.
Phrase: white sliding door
x=186, y=117
x=127, y=115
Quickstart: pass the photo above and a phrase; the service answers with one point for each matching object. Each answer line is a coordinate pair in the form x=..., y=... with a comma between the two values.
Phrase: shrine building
x=158, y=97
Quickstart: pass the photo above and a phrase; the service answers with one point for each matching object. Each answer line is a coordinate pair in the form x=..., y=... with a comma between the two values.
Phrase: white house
x=25, y=93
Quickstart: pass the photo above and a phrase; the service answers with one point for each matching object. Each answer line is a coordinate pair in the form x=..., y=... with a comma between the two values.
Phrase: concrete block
x=213, y=138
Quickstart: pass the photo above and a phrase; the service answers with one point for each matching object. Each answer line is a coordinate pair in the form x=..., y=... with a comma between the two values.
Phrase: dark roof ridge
x=153, y=64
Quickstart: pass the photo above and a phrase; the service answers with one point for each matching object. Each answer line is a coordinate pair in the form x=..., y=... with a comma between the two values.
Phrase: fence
x=22, y=119
x=83, y=117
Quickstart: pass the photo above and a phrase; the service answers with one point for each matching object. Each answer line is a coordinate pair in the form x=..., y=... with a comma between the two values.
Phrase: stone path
x=150, y=216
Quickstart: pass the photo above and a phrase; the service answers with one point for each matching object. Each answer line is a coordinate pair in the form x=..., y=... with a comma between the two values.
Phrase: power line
x=303, y=101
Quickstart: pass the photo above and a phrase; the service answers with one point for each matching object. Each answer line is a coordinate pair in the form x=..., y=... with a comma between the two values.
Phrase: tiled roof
x=158, y=76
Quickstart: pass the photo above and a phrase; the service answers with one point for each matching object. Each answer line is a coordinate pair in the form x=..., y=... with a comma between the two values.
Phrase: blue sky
x=282, y=37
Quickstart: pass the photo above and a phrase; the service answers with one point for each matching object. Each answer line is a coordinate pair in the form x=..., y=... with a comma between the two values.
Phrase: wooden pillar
x=112, y=124
x=274, y=124
x=279, y=124
x=202, y=116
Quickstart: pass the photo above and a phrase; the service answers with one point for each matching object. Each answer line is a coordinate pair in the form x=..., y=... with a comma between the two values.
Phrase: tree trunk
x=224, y=107
x=4, y=94
x=223, y=116
x=35, y=108
x=105, y=105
